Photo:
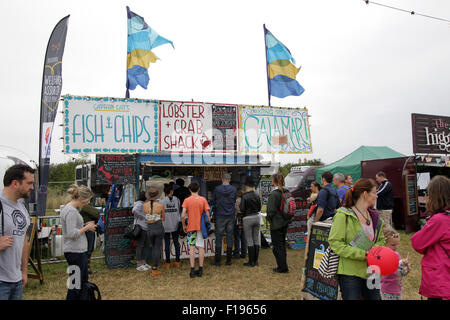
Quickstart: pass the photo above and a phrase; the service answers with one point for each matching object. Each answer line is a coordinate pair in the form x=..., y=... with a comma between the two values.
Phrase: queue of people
x=358, y=215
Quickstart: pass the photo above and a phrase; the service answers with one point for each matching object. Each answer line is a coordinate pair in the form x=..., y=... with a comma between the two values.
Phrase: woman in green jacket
x=356, y=217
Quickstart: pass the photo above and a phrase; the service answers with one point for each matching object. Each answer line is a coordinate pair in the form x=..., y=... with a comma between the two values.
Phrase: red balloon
x=384, y=260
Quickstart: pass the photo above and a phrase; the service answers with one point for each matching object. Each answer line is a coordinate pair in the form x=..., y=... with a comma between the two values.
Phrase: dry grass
x=234, y=282
x=56, y=198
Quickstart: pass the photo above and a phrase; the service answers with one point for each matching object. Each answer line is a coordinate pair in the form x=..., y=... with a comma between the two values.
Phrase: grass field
x=233, y=282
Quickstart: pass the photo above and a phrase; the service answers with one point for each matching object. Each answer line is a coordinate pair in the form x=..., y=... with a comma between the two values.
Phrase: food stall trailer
x=187, y=139
x=410, y=175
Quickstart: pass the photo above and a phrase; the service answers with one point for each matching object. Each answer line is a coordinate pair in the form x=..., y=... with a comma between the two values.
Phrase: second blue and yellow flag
x=281, y=70
x=141, y=40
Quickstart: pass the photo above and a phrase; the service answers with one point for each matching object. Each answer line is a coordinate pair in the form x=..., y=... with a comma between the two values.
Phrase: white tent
x=10, y=156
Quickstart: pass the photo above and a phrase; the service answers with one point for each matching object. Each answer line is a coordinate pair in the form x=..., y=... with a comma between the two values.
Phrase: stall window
x=292, y=181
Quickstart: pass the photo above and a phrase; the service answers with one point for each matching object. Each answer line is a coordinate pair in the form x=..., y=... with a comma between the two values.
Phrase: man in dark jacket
x=385, y=200
x=278, y=224
x=224, y=212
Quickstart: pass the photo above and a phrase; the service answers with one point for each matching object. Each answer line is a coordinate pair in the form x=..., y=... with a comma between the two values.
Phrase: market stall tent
x=351, y=164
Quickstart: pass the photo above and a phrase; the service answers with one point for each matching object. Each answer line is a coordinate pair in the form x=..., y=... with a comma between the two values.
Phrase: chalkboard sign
x=116, y=169
x=297, y=228
x=265, y=188
x=314, y=283
x=118, y=251
x=411, y=193
x=224, y=120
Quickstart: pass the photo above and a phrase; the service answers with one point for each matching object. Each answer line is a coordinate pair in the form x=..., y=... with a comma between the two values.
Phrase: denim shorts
x=11, y=290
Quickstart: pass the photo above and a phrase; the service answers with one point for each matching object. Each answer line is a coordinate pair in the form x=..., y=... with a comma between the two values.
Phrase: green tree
x=63, y=172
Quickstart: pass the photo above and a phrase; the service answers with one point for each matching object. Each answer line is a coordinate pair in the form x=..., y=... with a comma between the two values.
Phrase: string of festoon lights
x=412, y=12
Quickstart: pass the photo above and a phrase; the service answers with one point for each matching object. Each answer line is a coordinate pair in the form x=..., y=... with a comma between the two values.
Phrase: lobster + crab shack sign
x=110, y=125
x=197, y=127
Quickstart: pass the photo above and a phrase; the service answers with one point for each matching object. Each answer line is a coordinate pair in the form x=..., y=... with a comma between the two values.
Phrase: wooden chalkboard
x=411, y=193
x=265, y=188
x=313, y=282
x=224, y=120
x=116, y=169
x=119, y=252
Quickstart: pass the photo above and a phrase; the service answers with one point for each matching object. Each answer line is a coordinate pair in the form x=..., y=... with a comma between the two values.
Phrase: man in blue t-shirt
x=328, y=199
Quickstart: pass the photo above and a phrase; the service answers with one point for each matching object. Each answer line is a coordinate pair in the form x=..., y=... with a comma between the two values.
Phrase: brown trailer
x=401, y=172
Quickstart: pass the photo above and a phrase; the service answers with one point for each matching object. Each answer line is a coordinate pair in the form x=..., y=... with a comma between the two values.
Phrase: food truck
x=175, y=139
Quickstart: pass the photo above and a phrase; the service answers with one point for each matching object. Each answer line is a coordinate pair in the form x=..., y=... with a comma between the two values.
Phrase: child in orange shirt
x=194, y=206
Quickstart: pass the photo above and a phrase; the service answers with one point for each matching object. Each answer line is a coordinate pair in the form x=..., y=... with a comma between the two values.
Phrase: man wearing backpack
x=328, y=199
x=278, y=223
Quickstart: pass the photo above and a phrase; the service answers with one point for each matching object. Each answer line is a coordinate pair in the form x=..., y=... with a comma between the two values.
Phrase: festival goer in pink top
x=433, y=241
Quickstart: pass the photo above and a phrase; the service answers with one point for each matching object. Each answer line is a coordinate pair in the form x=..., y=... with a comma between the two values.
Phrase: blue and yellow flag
x=281, y=71
x=141, y=40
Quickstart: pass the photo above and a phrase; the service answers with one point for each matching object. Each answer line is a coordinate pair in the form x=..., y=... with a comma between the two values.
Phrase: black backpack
x=88, y=291
x=338, y=201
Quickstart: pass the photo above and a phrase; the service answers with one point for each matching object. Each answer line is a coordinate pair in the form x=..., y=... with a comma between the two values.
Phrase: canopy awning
x=203, y=160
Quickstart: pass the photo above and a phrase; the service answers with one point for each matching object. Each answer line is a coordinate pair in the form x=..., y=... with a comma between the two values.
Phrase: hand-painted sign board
x=269, y=129
x=118, y=126
x=110, y=125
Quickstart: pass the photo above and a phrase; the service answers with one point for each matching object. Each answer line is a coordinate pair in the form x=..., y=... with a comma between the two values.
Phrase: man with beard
x=14, y=222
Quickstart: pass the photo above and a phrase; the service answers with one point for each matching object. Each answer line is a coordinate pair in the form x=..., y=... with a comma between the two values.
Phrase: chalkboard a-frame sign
x=119, y=252
x=313, y=282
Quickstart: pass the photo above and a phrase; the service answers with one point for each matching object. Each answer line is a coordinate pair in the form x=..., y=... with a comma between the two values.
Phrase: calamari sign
x=110, y=125
x=269, y=129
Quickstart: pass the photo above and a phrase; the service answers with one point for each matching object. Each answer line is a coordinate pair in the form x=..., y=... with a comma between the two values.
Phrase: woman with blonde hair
x=75, y=243
x=391, y=285
x=433, y=241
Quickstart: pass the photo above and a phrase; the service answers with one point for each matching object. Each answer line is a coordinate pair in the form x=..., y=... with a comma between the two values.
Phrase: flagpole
x=267, y=65
x=127, y=92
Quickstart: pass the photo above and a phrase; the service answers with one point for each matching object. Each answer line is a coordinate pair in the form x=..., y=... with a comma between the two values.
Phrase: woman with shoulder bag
x=75, y=244
x=356, y=217
x=278, y=225
x=250, y=207
x=433, y=241
x=142, y=241
x=154, y=213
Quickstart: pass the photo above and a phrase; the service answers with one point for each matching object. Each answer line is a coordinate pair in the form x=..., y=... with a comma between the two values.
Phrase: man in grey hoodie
x=224, y=212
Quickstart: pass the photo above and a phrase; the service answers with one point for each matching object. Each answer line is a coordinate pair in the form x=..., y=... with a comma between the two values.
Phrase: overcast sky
x=365, y=69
